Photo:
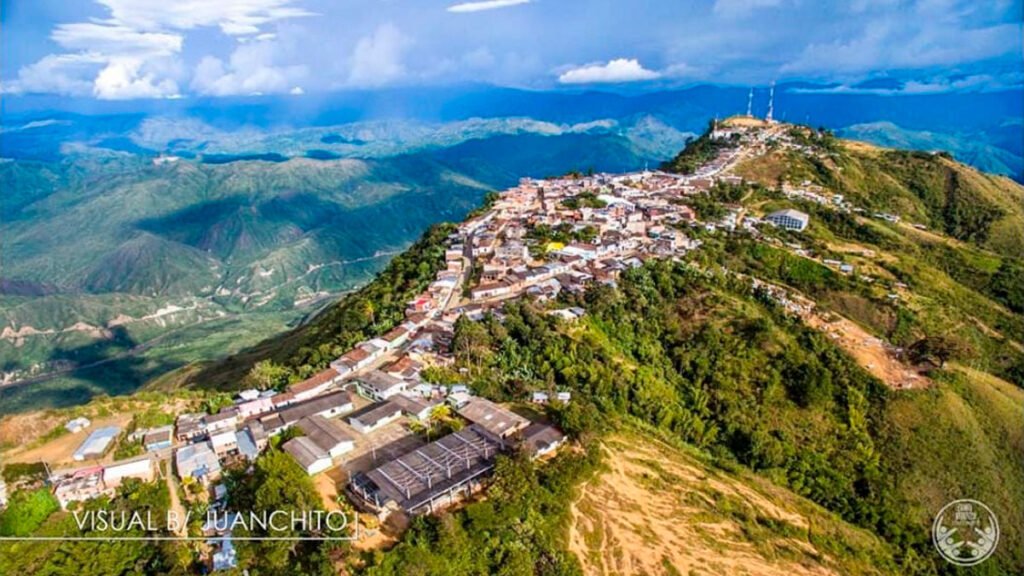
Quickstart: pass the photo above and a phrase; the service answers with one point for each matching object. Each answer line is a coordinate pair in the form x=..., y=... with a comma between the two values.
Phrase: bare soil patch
x=656, y=511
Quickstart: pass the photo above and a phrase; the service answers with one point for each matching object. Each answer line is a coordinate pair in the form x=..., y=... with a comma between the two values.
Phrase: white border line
x=174, y=538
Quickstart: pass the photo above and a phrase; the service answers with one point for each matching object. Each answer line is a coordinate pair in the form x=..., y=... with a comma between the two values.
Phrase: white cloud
x=377, y=59
x=252, y=69
x=65, y=74
x=485, y=5
x=134, y=53
x=618, y=70
x=297, y=91
x=126, y=78
x=233, y=17
x=115, y=39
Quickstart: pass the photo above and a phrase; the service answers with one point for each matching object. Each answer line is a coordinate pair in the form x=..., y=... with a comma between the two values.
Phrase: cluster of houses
x=625, y=220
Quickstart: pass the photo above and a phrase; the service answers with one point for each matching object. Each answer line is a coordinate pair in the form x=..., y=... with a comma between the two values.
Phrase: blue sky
x=124, y=49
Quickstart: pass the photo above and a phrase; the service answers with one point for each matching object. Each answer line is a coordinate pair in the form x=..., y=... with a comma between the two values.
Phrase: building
x=328, y=406
x=3, y=493
x=188, y=427
x=396, y=337
x=247, y=445
x=542, y=439
x=141, y=468
x=158, y=438
x=226, y=419
x=375, y=416
x=499, y=423
x=309, y=456
x=80, y=486
x=197, y=461
x=97, y=443
x=789, y=219
x=379, y=385
x=417, y=407
x=224, y=443
x=314, y=386
x=428, y=478
x=255, y=407
x=226, y=558
x=327, y=435
x=491, y=290
x=405, y=368
x=77, y=425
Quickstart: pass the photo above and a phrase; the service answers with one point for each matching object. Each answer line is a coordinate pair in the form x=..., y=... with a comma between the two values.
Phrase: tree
x=936, y=350
x=265, y=375
x=471, y=340
x=1008, y=285
x=27, y=511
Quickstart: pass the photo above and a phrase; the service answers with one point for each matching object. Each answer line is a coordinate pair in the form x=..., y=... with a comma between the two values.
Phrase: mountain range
x=131, y=235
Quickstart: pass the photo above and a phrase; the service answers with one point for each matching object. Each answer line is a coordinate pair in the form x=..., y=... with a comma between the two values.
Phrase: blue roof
x=246, y=446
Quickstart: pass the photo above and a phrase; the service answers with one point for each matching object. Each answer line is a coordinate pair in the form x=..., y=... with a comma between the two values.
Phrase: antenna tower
x=750, y=104
x=771, y=102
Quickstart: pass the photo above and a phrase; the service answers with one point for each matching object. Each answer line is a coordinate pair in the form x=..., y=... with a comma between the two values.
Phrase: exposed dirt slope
x=658, y=510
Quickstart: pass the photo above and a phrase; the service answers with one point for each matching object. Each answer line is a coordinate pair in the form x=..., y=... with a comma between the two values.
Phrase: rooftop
x=492, y=417
x=414, y=479
x=305, y=451
x=325, y=433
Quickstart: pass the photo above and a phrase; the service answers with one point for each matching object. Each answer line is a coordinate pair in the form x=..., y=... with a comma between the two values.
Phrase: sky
x=131, y=49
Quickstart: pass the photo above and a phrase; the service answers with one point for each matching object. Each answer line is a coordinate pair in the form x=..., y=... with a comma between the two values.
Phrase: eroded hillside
x=659, y=509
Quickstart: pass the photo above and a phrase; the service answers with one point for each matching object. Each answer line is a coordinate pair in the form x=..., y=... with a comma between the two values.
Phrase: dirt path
x=655, y=513
x=871, y=352
x=176, y=506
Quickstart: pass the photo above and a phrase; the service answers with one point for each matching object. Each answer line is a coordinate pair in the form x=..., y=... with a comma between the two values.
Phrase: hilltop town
x=357, y=426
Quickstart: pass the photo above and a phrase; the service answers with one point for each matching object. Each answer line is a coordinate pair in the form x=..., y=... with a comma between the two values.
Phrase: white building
x=789, y=219
x=224, y=442
x=140, y=468
x=309, y=456
x=77, y=425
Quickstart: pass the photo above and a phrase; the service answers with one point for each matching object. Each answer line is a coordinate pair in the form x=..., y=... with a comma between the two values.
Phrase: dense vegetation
x=277, y=483
x=26, y=511
x=715, y=364
x=103, y=557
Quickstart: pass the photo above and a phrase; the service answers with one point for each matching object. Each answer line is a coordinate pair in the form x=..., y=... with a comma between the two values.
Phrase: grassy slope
x=918, y=186
x=659, y=508
x=962, y=439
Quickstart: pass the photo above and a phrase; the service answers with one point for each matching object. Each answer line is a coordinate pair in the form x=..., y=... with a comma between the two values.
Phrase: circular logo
x=965, y=532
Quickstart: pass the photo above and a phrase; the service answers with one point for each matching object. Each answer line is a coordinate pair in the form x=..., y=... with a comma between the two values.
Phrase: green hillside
x=102, y=236
x=924, y=188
